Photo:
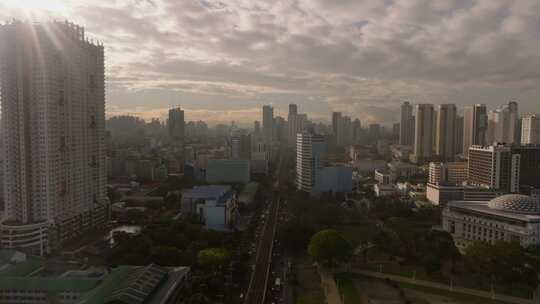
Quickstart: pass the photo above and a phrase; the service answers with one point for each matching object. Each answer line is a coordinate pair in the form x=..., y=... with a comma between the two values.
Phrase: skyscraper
x=459, y=134
x=530, y=129
x=310, y=149
x=292, y=126
x=241, y=147
x=53, y=104
x=445, y=145
x=176, y=127
x=474, y=126
x=423, y=133
x=406, y=125
x=502, y=124
x=268, y=124
x=336, y=117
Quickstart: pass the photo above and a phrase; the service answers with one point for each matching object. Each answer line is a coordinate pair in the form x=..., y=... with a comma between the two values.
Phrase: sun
x=36, y=8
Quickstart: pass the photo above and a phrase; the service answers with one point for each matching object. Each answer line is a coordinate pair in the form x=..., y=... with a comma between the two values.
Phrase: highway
x=258, y=284
x=259, y=278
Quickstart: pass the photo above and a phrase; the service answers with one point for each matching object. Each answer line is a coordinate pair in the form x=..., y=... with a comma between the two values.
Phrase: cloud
x=363, y=57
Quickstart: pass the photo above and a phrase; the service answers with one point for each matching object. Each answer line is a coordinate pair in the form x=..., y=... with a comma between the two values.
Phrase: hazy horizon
x=221, y=61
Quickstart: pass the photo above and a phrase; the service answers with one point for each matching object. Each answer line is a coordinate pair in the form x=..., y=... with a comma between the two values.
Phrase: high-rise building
x=280, y=130
x=310, y=150
x=374, y=132
x=423, y=133
x=292, y=125
x=494, y=167
x=529, y=159
x=474, y=126
x=176, y=125
x=451, y=174
x=268, y=124
x=395, y=132
x=344, y=131
x=406, y=131
x=357, y=130
x=530, y=129
x=502, y=124
x=459, y=135
x=241, y=147
x=53, y=104
x=336, y=117
x=445, y=139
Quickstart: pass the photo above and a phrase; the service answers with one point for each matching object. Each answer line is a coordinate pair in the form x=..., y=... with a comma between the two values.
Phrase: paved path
x=473, y=292
x=330, y=289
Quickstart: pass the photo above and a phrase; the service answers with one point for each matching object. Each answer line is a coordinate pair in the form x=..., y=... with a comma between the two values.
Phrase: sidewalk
x=329, y=286
x=473, y=292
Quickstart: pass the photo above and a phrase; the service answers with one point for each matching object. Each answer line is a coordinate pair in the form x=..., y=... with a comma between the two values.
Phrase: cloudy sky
x=222, y=60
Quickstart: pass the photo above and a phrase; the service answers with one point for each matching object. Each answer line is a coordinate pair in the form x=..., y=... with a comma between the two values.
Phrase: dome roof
x=516, y=203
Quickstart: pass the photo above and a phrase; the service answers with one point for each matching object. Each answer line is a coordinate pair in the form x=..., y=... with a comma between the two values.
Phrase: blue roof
x=218, y=193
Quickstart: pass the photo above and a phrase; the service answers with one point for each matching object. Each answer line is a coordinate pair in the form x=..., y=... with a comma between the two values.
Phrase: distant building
x=268, y=124
x=384, y=177
x=292, y=127
x=530, y=129
x=228, y=171
x=374, y=132
x=241, y=147
x=176, y=126
x=475, y=124
x=333, y=179
x=423, y=133
x=406, y=130
x=502, y=124
x=368, y=166
x=445, y=145
x=53, y=120
x=509, y=218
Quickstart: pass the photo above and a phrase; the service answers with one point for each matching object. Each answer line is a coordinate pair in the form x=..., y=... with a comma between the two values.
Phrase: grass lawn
x=308, y=289
x=450, y=295
x=348, y=291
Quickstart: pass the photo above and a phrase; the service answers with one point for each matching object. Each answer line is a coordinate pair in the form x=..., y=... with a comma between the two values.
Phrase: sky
x=221, y=60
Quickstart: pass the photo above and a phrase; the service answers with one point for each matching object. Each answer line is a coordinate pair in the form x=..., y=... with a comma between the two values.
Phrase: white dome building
x=511, y=217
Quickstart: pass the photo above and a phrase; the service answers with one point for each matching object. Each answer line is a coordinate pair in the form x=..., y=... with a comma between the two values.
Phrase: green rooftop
x=115, y=279
x=48, y=284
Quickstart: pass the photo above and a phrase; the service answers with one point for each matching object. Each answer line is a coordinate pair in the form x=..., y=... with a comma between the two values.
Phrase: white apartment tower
x=310, y=149
x=530, y=129
x=53, y=116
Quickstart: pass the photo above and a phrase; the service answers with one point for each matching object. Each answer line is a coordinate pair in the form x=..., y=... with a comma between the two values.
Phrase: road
x=258, y=285
x=259, y=278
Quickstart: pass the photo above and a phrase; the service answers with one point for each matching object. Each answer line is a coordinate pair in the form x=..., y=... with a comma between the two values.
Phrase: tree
x=330, y=247
x=504, y=262
x=199, y=298
x=214, y=259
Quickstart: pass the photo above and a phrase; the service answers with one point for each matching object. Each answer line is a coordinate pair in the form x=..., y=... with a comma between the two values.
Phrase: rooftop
x=482, y=207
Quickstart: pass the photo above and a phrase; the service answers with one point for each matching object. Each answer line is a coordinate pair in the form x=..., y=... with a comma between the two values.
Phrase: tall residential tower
x=53, y=113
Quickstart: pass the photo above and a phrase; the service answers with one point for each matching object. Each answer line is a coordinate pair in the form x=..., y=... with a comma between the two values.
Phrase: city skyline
x=223, y=61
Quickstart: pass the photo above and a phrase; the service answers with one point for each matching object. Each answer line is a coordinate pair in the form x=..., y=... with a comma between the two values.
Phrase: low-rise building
x=385, y=190
x=228, y=171
x=215, y=205
x=509, y=218
x=334, y=179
